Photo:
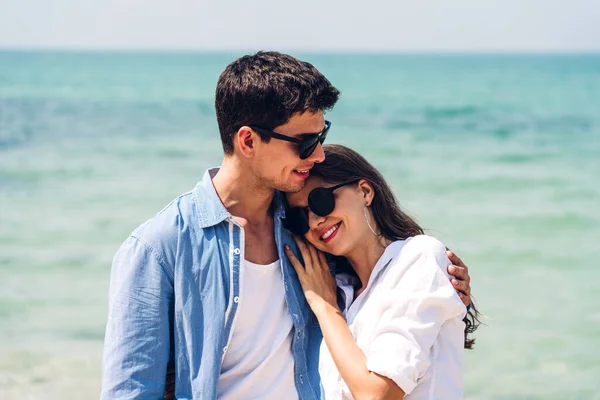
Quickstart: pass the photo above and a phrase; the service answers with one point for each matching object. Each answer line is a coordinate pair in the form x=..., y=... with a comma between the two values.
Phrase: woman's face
x=344, y=229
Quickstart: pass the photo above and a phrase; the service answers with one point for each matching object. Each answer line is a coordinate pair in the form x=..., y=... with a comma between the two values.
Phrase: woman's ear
x=367, y=191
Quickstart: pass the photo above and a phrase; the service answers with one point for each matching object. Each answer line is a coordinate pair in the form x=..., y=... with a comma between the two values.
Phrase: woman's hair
x=344, y=165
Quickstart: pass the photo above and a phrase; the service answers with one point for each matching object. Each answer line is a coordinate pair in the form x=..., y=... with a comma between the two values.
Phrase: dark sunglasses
x=307, y=144
x=321, y=201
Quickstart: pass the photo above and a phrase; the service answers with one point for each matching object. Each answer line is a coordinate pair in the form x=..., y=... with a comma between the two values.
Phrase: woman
x=398, y=328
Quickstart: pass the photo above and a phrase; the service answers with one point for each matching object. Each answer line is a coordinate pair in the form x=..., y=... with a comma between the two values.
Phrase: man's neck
x=241, y=193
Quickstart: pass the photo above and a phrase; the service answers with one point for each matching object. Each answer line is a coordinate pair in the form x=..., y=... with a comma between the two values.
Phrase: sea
x=497, y=155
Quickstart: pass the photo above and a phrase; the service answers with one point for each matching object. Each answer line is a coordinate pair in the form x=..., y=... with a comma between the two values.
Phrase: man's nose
x=318, y=155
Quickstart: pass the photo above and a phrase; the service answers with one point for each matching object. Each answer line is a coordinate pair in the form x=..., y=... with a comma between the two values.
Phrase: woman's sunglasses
x=307, y=144
x=321, y=201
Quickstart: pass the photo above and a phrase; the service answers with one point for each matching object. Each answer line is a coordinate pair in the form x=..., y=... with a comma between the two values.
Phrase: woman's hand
x=320, y=290
x=315, y=277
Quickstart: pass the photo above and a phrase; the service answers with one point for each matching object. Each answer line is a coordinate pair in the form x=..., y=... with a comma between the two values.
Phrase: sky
x=313, y=25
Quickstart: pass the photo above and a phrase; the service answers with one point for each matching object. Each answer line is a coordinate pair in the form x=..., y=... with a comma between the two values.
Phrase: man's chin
x=292, y=187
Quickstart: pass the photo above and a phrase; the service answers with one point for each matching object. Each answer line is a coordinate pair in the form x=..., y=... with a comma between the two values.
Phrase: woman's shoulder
x=420, y=245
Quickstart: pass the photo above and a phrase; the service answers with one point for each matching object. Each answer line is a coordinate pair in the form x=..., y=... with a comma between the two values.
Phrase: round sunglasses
x=321, y=201
x=307, y=143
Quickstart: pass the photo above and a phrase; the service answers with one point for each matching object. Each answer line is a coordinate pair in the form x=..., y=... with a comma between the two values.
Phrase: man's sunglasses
x=307, y=144
x=321, y=201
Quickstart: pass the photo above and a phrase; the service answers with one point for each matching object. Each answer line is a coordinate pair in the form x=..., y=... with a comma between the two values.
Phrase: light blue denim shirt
x=174, y=291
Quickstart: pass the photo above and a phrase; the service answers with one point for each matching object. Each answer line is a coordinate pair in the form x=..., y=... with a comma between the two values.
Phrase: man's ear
x=246, y=138
x=367, y=191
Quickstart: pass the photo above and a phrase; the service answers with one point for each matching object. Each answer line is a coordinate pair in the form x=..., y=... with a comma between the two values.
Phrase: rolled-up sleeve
x=137, y=340
x=416, y=300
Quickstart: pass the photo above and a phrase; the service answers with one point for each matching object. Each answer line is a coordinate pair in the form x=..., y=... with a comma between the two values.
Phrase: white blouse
x=407, y=322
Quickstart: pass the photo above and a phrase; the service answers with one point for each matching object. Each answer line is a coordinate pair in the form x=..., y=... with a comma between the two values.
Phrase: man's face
x=278, y=165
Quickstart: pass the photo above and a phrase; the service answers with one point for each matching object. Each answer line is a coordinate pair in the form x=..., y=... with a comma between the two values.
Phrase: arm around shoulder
x=418, y=300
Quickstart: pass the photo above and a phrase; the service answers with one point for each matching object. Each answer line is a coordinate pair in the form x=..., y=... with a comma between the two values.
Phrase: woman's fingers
x=323, y=260
x=295, y=262
x=316, y=279
x=318, y=262
x=306, y=257
x=314, y=255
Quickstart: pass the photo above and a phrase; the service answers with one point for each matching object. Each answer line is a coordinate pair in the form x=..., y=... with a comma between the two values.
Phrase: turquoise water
x=499, y=156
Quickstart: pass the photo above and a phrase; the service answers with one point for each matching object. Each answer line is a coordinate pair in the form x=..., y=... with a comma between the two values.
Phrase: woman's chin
x=335, y=246
x=332, y=248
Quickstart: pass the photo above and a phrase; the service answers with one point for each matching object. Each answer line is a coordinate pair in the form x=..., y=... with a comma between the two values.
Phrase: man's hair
x=266, y=89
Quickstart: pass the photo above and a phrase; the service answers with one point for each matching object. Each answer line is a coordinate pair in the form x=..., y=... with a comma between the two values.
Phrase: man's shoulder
x=165, y=231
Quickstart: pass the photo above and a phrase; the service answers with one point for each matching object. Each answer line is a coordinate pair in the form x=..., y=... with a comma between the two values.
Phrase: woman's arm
x=414, y=301
x=319, y=287
x=349, y=358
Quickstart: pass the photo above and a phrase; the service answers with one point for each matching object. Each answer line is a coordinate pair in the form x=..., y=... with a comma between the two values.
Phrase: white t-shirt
x=259, y=363
x=407, y=322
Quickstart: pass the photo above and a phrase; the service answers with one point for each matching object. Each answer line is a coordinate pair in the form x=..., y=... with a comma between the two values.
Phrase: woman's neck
x=364, y=258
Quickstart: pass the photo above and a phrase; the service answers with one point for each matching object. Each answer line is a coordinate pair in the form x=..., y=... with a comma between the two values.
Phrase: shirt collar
x=211, y=210
x=389, y=253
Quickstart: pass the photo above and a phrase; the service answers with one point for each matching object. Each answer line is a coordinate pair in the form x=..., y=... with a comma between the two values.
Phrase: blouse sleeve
x=416, y=299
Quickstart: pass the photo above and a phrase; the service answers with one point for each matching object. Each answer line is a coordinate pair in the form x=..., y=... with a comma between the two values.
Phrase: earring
x=368, y=223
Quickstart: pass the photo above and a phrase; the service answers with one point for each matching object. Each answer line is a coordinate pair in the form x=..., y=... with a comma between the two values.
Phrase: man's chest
x=260, y=247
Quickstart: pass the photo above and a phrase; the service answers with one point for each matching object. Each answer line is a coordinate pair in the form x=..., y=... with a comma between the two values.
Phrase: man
x=204, y=286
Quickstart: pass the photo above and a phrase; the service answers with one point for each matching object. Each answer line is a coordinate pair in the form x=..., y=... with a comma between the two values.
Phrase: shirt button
x=236, y=251
x=236, y=299
x=224, y=349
